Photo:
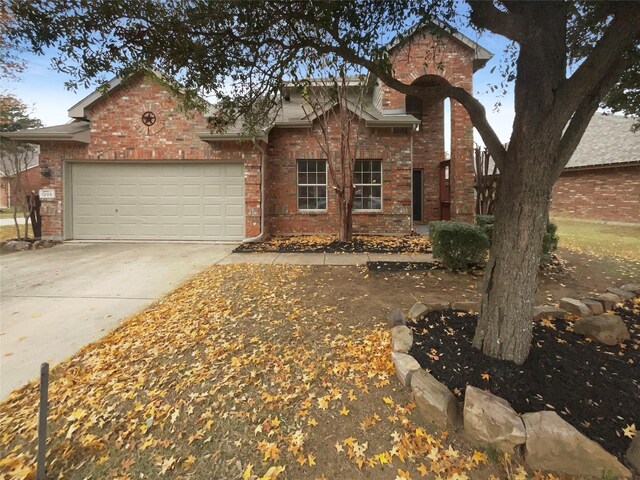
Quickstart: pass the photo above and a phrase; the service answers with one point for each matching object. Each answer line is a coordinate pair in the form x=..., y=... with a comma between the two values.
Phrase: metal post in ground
x=42, y=422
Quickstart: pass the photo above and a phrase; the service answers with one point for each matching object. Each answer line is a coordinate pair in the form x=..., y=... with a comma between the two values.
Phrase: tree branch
x=485, y=15
x=583, y=115
x=444, y=89
x=619, y=37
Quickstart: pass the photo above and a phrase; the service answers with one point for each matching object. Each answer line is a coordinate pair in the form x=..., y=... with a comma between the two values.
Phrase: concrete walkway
x=9, y=221
x=323, y=258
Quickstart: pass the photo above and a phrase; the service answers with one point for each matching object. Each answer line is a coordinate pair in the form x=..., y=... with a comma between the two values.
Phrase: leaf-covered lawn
x=600, y=239
x=244, y=372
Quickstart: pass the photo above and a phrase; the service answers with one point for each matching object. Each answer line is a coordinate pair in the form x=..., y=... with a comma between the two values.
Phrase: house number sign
x=47, y=194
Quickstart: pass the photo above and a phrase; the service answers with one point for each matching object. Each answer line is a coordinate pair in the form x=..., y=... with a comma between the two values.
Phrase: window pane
x=376, y=177
x=312, y=181
x=366, y=177
x=357, y=203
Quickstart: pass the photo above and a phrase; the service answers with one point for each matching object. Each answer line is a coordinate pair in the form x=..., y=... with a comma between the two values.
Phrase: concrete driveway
x=53, y=301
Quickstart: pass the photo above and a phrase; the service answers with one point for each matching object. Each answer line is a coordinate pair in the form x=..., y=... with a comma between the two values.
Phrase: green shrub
x=458, y=245
x=549, y=241
x=485, y=222
x=482, y=220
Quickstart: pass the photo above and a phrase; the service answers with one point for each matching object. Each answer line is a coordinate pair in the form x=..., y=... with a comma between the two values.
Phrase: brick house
x=29, y=177
x=602, y=179
x=132, y=165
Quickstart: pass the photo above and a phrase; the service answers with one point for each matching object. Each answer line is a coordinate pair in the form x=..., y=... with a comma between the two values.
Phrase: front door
x=445, y=190
x=417, y=195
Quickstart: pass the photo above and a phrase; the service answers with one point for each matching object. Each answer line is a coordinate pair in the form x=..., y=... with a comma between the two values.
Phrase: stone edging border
x=549, y=442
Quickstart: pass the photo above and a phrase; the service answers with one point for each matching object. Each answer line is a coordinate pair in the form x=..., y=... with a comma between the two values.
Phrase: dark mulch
x=593, y=387
x=400, y=266
x=331, y=244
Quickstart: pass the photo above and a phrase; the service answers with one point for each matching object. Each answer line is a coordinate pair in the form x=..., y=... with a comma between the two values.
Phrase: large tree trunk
x=509, y=285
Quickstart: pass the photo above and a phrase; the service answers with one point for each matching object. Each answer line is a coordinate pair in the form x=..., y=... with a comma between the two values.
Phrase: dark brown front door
x=445, y=190
x=417, y=195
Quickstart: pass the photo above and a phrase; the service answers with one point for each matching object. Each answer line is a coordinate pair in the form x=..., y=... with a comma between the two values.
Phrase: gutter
x=262, y=195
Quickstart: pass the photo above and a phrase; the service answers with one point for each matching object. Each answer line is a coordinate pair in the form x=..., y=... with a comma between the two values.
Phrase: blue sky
x=43, y=89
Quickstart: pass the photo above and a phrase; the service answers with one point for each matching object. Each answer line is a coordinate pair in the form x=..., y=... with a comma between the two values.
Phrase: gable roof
x=292, y=114
x=482, y=55
x=78, y=110
x=608, y=140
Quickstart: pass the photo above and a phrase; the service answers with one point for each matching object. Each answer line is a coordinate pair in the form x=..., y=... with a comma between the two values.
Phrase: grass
x=600, y=239
x=8, y=213
x=7, y=232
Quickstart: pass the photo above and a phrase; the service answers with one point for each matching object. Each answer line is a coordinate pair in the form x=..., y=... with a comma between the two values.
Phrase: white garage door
x=155, y=201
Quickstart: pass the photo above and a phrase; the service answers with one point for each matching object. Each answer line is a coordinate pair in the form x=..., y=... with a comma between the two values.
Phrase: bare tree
x=15, y=159
x=485, y=181
x=334, y=102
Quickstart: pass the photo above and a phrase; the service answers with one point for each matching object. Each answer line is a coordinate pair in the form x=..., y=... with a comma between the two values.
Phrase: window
x=367, y=177
x=312, y=185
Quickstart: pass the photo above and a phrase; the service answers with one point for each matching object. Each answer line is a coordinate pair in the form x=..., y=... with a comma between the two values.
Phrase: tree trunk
x=346, y=220
x=504, y=328
x=15, y=220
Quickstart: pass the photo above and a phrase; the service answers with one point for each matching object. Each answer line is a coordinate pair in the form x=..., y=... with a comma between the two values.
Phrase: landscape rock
x=546, y=311
x=397, y=317
x=574, y=306
x=631, y=287
x=490, y=420
x=435, y=402
x=593, y=305
x=624, y=294
x=553, y=444
x=405, y=365
x=437, y=306
x=16, y=246
x=418, y=310
x=466, y=306
x=606, y=328
x=401, y=339
x=608, y=300
x=633, y=453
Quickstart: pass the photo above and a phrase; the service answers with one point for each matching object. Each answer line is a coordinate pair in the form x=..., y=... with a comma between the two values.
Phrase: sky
x=43, y=90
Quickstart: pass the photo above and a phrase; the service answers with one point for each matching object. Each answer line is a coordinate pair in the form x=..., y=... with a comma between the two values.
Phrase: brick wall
x=286, y=146
x=609, y=194
x=118, y=134
x=428, y=57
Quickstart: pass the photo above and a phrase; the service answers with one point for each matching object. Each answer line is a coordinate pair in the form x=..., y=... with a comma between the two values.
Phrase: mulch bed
x=400, y=266
x=593, y=387
x=330, y=244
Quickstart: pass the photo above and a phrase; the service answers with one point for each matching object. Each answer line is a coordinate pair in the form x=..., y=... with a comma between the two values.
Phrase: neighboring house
x=29, y=177
x=602, y=179
x=133, y=166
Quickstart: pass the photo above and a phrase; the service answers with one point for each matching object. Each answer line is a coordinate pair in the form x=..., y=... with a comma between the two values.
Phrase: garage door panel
x=158, y=201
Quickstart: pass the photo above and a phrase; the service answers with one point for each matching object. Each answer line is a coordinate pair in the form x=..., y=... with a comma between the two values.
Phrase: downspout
x=262, y=151
x=413, y=129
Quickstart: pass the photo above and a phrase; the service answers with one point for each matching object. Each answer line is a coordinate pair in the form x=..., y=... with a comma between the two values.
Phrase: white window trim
x=326, y=185
x=381, y=185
